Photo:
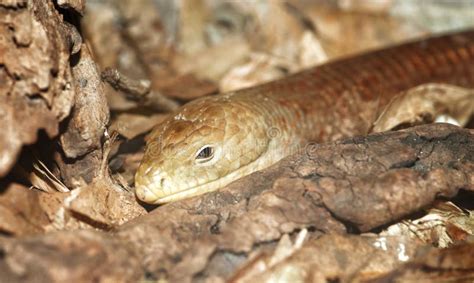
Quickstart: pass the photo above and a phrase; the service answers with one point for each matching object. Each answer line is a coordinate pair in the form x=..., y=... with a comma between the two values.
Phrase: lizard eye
x=205, y=154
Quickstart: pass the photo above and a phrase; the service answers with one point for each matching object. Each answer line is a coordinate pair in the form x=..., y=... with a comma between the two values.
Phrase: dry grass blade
x=43, y=179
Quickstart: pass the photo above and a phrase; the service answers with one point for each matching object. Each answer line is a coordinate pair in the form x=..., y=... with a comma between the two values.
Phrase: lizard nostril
x=162, y=182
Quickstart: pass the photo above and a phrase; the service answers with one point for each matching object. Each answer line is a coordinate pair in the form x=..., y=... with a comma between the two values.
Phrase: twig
x=138, y=90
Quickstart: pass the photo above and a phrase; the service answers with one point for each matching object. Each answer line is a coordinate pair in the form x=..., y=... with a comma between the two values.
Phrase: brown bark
x=349, y=185
x=49, y=81
x=46, y=72
x=36, y=90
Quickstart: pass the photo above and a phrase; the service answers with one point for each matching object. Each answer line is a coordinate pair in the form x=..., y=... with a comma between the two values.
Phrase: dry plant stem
x=134, y=89
x=138, y=90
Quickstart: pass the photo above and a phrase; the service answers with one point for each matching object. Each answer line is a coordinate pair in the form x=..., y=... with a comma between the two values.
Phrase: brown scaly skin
x=253, y=128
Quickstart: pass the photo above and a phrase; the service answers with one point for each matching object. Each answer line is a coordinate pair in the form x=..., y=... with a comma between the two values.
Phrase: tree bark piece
x=35, y=79
x=91, y=114
x=20, y=211
x=81, y=141
x=353, y=184
x=80, y=256
x=454, y=264
x=342, y=258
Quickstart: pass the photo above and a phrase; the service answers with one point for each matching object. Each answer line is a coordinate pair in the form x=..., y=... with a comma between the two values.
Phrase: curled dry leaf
x=144, y=32
x=259, y=68
x=435, y=16
x=280, y=38
x=444, y=225
x=311, y=51
x=111, y=50
x=192, y=24
x=290, y=45
x=212, y=63
x=342, y=33
x=139, y=51
x=424, y=104
x=107, y=40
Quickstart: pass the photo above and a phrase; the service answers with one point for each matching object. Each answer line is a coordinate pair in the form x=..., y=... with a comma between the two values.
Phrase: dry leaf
x=442, y=226
x=132, y=125
x=424, y=104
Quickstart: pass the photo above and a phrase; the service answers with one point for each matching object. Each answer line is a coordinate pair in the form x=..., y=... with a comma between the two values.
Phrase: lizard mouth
x=147, y=193
x=151, y=191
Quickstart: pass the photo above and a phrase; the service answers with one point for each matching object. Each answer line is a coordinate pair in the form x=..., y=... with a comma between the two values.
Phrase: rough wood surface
x=46, y=72
x=350, y=185
x=65, y=196
x=36, y=81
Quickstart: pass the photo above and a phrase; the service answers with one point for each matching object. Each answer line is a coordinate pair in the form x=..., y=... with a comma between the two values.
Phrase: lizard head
x=205, y=145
